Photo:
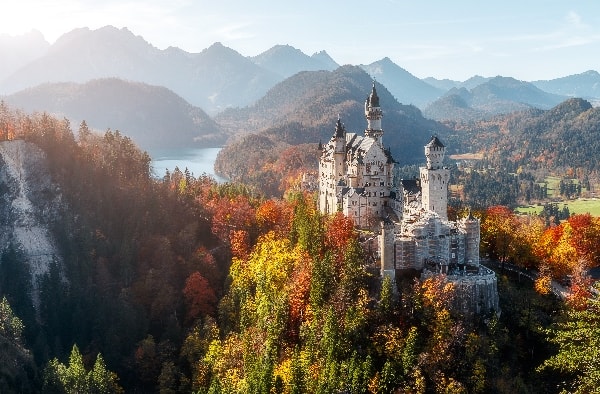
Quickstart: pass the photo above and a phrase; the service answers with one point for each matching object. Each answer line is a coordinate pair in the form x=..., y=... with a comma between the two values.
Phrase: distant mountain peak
x=407, y=88
x=286, y=60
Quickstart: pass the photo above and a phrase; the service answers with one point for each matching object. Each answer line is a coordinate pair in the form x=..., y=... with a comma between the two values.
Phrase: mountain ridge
x=214, y=79
x=153, y=116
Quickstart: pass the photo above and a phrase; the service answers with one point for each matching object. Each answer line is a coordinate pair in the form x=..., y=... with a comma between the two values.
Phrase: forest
x=181, y=284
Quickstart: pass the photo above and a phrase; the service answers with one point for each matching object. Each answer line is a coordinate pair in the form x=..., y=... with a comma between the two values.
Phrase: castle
x=356, y=177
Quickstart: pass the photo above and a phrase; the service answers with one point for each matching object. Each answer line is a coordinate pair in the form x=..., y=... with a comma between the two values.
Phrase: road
x=557, y=289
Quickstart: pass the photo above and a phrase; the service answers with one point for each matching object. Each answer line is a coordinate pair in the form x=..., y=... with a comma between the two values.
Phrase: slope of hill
x=286, y=61
x=213, y=79
x=447, y=84
x=561, y=139
x=154, y=117
x=303, y=109
x=405, y=87
x=586, y=85
x=17, y=51
x=326, y=60
x=498, y=95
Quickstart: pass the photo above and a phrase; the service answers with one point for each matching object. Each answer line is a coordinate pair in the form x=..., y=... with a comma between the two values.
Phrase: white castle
x=356, y=177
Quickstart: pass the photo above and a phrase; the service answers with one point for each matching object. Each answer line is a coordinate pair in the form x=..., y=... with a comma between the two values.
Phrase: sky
x=454, y=39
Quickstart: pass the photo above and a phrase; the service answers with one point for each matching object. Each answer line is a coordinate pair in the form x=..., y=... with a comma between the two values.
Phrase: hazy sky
x=526, y=39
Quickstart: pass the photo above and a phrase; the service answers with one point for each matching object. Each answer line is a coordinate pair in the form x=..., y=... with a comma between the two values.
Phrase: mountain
x=17, y=51
x=154, y=117
x=407, y=88
x=303, y=109
x=442, y=84
x=496, y=96
x=286, y=61
x=447, y=84
x=474, y=81
x=214, y=79
x=562, y=138
x=454, y=105
x=585, y=85
x=326, y=60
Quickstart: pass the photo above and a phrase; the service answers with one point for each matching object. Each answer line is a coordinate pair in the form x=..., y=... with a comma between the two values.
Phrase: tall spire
x=373, y=114
x=339, y=129
x=373, y=97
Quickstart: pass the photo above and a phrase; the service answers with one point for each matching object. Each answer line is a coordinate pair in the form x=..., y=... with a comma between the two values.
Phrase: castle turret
x=434, y=179
x=339, y=150
x=332, y=169
x=373, y=114
x=472, y=239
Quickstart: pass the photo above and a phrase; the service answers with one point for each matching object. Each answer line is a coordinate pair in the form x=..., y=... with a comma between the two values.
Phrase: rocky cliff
x=29, y=206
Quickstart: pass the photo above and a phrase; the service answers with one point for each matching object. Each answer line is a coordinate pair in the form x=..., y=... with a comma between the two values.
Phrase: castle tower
x=434, y=179
x=472, y=228
x=373, y=114
x=339, y=149
x=332, y=170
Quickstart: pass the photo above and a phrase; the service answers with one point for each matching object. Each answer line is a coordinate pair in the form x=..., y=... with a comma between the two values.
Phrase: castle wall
x=475, y=292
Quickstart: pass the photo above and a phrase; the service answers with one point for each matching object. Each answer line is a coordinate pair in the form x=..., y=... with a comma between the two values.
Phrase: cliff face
x=29, y=205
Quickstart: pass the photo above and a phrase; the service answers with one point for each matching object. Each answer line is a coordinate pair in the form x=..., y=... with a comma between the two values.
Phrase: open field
x=583, y=205
x=467, y=156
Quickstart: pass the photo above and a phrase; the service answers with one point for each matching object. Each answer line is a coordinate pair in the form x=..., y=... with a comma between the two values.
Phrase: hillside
x=447, y=84
x=181, y=284
x=214, y=79
x=154, y=117
x=17, y=51
x=562, y=139
x=303, y=110
x=585, y=85
x=286, y=61
x=404, y=86
x=499, y=95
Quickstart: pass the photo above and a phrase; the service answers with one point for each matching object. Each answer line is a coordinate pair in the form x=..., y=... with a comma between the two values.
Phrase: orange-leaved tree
x=199, y=296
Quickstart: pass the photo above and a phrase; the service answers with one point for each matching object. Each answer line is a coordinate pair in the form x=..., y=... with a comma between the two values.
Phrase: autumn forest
x=178, y=284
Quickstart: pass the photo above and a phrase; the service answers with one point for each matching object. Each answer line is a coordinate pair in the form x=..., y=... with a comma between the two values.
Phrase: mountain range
x=495, y=96
x=242, y=94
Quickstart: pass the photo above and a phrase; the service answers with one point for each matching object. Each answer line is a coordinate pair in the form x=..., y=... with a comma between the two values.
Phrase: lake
x=198, y=161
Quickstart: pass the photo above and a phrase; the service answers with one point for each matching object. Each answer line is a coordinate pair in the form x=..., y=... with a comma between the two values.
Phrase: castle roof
x=339, y=129
x=412, y=186
x=373, y=99
x=435, y=142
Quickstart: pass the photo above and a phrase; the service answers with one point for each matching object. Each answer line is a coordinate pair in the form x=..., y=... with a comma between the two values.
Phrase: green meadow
x=591, y=206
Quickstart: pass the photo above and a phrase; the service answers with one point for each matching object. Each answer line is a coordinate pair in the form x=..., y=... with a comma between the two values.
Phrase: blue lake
x=197, y=161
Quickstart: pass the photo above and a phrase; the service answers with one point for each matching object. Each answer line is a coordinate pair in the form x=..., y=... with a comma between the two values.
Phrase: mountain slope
x=154, y=117
x=286, y=61
x=405, y=87
x=17, y=51
x=586, y=85
x=303, y=110
x=447, y=84
x=498, y=95
x=216, y=78
x=556, y=140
